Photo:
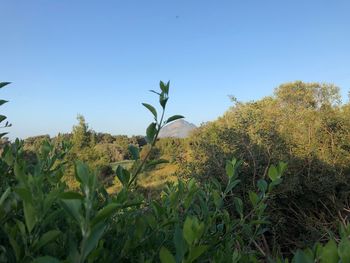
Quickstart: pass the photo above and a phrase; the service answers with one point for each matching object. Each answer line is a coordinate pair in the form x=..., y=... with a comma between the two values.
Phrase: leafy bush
x=303, y=124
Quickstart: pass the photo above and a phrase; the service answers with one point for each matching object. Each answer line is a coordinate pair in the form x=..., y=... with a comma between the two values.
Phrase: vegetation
x=55, y=207
x=304, y=125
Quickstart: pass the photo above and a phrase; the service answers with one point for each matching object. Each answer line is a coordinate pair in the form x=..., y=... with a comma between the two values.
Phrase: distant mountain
x=177, y=129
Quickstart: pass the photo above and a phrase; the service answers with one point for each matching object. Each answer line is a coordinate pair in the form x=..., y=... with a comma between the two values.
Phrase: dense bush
x=172, y=149
x=42, y=220
x=304, y=125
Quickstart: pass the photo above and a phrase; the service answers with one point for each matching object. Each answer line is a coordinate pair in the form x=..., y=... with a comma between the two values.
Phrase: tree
x=308, y=95
x=81, y=134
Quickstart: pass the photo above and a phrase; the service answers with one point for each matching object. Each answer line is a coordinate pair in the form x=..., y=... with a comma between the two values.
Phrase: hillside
x=177, y=129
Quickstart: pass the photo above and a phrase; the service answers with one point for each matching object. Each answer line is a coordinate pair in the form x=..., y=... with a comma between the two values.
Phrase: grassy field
x=150, y=180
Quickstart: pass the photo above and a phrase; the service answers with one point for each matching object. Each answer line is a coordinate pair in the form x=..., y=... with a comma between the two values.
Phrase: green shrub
x=303, y=124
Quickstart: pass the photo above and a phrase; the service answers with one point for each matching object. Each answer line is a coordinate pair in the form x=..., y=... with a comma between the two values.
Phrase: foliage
x=303, y=124
x=221, y=219
x=172, y=149
x=3, y=118
x=42, y=220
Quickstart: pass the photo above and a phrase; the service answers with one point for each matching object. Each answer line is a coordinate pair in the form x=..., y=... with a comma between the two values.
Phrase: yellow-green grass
x=127, y=164
x=152, y=180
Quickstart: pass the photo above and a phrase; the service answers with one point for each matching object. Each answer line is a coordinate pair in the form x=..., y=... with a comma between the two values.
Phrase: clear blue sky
x=100, y=58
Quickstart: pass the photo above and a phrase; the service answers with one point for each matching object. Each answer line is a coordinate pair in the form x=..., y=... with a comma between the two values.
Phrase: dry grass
x=152, y=180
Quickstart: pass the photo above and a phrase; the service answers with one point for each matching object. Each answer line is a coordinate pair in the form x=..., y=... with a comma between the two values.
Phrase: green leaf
x=21, y=227
x=301, y=257
x=165, y=256
x=196, y=252
x=82, y=172
x=151, y=220
x=3, y=102
x=164, y=87
x=253, y=197
x=262, y=185
x=151, y=109
x=158, y=209
x=238, y=205
x=19, y=172
x=5, y=195
x=50, y=198
x=273, y=184
x=71, y=195
x=317, y=250
x=123, y=175
x=12, y=235
x=2, y=118
x=163, y=100
x=105, y=213
x=231, y=185
x=217, y=199
x=344, y=250
x=29, y=216
x=188, y=232
x=153, y=91
x=28, y=207
x=151, y=132
x=3, y=84
x=282, y=166
x=122, y=196
x=92, y=241
x=140, y=228
x=46, y=238
x=273, y=173
x=174, y=118
x=167, y=87
x=134, y=151
x=229, y=169
x=72, y=207
x=46, y=259
x=236, y=256
x=8, y=157
x=330, y=253
x=180, y=244
x=3, y=134
x=15, y=247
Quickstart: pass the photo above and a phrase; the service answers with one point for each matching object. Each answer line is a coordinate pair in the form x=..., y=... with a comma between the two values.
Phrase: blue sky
x=100, y=58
